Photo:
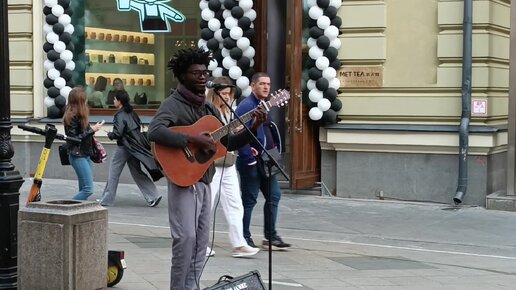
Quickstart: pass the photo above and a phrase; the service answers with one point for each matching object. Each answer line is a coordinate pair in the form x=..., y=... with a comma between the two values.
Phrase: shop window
x=126, y=47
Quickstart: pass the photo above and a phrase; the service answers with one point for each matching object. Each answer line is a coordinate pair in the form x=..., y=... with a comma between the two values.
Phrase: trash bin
x=62, y=244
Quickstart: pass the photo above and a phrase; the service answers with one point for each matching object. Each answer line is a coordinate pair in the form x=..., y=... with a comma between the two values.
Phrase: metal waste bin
x=62, y=244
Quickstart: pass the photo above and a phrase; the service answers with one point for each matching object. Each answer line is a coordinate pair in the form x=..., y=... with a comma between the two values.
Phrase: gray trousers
x=189, y=210
x=118, y=161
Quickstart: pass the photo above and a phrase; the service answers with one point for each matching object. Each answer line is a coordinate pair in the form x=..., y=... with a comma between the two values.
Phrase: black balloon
x=65, y=37
x=214, y=5
x=48, y=83
x=60, y=101
x=235, y=53
x=69, y=11
x=330, y=94
x=314, y=73
x=315, y=32
x=225, y=33
x=66, y=74
x=229, y=4
x=337, y=21
x=70, y=47
x=335, y=64
x=70, y=83
x=331, y=12
x=58, y=28
x=244, y=23
x=311, y=22
x=60, y=64
x=53, y=55
x=331, y=53
x=249, y=73
x=220, y=15
x=323, y=42
x=203, y=24
x=244, y=63
x=53, y=112
x=322, y=84
x=229, y=43
x=237, y=12
x=323, y=3
x=249, y=33
x=64, y=3
x=212, y=44
x=206, y=34
x=238, y=92
x=225, y=72
x=336, y=105
x=309, y=62
x=47, y=10
x=47, y=46
x=329, y=117
x=51, y=19
x=218, y=56
x=53, y=92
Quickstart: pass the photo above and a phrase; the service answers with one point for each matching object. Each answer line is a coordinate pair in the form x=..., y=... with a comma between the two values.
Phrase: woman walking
x=76, y=125
x=225, y=179
x=133, y=148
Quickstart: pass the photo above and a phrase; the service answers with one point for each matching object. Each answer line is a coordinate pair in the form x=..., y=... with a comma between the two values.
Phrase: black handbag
x=249, y=281
x=63, y=155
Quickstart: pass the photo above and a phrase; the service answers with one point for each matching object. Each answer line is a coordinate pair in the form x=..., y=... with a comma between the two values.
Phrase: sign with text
x=361, y=76
x=478, y=107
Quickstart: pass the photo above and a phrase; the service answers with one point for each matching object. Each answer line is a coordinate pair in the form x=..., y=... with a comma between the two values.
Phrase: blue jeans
x=252, y=180
x=83, y=167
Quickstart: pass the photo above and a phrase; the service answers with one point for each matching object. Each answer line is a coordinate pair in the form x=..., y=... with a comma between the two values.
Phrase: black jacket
x=127, y=133
x=85, y=148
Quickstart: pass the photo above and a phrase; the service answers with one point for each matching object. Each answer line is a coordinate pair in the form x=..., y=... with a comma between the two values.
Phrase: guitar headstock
x=279, y=98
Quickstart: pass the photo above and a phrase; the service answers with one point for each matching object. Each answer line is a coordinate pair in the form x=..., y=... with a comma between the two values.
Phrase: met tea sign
x=361, y=76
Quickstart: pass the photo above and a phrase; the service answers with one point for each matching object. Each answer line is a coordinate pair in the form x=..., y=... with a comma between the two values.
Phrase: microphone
x=217, y=86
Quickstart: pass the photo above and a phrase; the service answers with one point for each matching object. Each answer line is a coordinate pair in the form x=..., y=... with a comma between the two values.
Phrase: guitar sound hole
x=203, y=157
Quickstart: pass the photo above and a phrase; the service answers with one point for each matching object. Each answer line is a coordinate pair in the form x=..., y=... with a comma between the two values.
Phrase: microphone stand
x=270, y=162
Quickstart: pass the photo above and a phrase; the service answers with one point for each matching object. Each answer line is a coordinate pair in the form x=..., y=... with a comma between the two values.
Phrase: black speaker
x=249, y=281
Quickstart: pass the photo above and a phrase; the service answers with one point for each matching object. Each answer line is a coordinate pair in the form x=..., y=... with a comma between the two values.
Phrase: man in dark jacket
x=189, y=207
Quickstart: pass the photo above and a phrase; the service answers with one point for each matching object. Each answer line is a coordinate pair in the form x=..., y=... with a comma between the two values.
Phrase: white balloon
x=236, y=33
x=70, y=65
x=315, y=52
x=52, y=37
x=323, y=22
x=315, y=114
x=228, y=62
x=65, y=19
x=66, y=55
x=213, y=64
x=315, y=12
x=207, y=14
x=65, y=91
x=235, y=72
x=49, y=102
x=59, y=46
x=315, y=95
x=53, y=74
x=251, y=14
x=230, y=22
x=224, y=52
x=48, y=64
x=214, y=24
x=247, y=91
x=243, y=43
x=246, y=5
x=217, y=72
x=69, y=28
x=251, y=63
x=322, y=62
x=50, y=3
x=336, y=3
x=201, y=43
x=336, y=43
x=331, y=32
x=57, y=10
x=47, y=28
x=218, y=35
x=59, y=83
x=249, y=53
x=324, y=104
x=311, y=42
x=329, y=73
x=310, y=84
x=335, y=83
x=242, y=82
x=203, y=4
x=226, y=13
x=311, y=3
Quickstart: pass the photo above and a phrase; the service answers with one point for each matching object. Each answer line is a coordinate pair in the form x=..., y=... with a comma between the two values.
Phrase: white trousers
x=231, y=201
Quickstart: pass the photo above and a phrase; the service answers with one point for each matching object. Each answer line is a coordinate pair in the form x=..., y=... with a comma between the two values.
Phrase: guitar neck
x=224, y=130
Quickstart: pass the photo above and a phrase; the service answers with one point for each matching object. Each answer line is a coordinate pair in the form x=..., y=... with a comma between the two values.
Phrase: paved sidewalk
x=337, y=243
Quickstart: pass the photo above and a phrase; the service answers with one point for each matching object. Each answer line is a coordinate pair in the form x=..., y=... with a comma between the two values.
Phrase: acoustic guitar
x=186, y=166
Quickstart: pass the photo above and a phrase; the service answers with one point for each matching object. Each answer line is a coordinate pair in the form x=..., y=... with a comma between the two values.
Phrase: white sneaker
x=244, y=251
x=209, y=252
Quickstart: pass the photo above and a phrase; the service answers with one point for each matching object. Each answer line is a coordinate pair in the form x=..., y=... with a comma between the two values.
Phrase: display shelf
x=118, y=36
x=120, y=57
x=119, y=68
x=138, y=80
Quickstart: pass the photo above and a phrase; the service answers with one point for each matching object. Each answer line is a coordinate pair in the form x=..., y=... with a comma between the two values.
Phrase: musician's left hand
x=260, y=115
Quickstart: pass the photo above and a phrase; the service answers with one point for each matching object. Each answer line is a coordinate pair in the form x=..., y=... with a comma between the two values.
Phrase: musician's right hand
x=204, y=141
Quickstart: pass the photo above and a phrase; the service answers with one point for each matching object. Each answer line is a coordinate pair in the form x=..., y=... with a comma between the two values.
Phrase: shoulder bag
x=99, y=153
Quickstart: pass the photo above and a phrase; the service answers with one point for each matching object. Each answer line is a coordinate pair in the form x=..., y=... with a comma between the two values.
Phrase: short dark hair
x=184, y=58
x=123, y=98
x=258, y=75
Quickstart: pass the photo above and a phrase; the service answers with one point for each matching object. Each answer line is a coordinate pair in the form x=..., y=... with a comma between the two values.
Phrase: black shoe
x=155, y=202
x=277, y=244
x=250, y=242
